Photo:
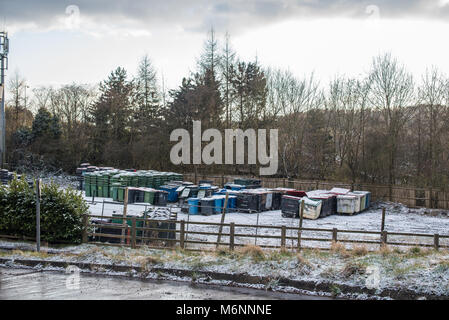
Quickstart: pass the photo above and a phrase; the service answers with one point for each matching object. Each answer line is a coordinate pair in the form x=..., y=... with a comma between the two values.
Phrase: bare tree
x=431, y=97
x=392, y=92
x=17, y=87
x=290, y=99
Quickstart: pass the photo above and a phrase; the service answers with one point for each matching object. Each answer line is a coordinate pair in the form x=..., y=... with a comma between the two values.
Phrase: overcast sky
x=59, y=42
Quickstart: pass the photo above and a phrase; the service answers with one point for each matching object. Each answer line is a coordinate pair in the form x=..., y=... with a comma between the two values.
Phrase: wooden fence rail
x=149, y=235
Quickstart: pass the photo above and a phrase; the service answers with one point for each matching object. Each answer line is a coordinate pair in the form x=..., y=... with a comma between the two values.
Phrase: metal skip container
x=366, y=200
x=312, y=208
x=347, y=204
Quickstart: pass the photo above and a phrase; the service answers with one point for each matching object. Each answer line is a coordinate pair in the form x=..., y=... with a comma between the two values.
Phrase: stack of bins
x=290, y=206
x=232, y=202
x=114, y=184
x=193, y=205
x=244, y=202
x=93, y=185
x=142, y=179
x=149, y=195
x=121, y=194
x=134, y=179
x=109, y=175
x=219, y=203
x=171, y=189
x=160, y=198
x=149, y=180
x=156, y=181
x=103, y=183
x=125, y=179
x=87, y=184
x=277, y=199
x=114, y=190
x=256, y=200
x=99, y=180
x=207, y=206
x=133, y=193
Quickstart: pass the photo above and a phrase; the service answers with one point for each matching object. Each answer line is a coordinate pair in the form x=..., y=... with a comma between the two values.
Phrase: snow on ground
x=398, y=219
x=425, y=272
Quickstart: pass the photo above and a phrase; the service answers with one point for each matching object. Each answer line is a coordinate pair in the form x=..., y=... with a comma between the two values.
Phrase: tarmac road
x=28, y=284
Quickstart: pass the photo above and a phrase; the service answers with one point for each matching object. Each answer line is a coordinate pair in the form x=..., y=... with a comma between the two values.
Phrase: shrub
x=61, y=212
x=415, y=251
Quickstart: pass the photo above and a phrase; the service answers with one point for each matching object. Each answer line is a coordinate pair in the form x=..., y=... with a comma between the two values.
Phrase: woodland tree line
x=383, y=127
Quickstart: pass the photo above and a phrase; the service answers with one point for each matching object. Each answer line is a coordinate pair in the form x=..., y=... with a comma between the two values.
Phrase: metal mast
x=4, y=49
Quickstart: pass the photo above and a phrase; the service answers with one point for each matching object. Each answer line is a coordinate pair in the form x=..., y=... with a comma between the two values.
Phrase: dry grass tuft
x=385, y=250
x=255, y=252
x=18, y=252
x=340, y=249
x=144, y=261
x=303, y=261
x=359, y=250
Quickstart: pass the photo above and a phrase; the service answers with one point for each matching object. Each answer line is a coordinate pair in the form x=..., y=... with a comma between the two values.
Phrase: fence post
x=125, y=208
x=300, y=224
x=382, y=226
x=334, y=234
x=85, y=227
x=220, y=228
x=231, y=235
x=436, y=241
x=430, y=199
x=182, y=234
x=383, y=238
x=133, y=232
x=38, y=215
x=283, y=232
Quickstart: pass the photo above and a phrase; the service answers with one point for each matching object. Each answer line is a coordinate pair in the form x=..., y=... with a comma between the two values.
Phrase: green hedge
x=61, y=212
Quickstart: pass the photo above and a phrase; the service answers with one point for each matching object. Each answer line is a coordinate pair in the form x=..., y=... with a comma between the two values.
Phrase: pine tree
x=112, y=118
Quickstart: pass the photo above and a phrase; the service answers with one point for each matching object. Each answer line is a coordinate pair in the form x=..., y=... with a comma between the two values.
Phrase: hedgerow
x=61, y=212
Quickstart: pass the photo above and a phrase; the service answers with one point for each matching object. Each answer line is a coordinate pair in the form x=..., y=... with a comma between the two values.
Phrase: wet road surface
x=48, y=285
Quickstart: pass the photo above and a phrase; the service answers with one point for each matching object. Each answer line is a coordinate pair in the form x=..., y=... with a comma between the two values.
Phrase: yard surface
x=398, y=219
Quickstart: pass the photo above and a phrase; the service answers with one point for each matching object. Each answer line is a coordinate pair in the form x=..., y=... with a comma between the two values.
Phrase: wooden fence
x=150, y=236
x=409, y=196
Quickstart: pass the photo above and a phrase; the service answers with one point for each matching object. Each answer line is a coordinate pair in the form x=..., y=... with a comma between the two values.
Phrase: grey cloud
x=199, y=15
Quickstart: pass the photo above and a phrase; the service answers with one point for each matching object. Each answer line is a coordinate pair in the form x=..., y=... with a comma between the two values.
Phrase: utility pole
x=4, y=49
